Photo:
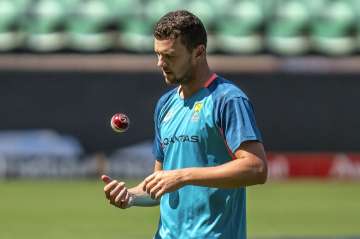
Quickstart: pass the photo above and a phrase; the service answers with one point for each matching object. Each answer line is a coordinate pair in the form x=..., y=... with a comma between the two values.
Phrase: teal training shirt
x=202, y=131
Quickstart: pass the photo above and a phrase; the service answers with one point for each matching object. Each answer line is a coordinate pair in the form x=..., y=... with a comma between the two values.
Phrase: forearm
x=140, y=198
x=236, y=173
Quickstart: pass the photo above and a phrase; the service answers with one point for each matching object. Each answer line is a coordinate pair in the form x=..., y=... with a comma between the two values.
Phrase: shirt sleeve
x=237, y=122
x=157, y=145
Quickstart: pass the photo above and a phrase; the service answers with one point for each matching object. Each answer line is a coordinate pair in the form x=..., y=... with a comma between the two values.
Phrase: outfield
x=77, y=209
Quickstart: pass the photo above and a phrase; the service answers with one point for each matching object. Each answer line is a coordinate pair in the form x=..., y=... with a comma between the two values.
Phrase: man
x=207, y=145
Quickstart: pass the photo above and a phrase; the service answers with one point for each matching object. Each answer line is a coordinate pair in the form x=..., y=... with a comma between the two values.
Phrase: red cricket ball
x=120, y=122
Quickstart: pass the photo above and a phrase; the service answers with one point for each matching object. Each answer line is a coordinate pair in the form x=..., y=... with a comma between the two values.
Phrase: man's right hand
x=116, y=192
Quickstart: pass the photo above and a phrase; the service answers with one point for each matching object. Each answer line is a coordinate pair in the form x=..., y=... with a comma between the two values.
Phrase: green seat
x=137, y=35
x=122, y=13
x=137, y=31
x=355, y=4
x=89, y=27
x=287, y=29
x=268, y=7
x=314, y=7
x=11, y=36
x=333, y=29
x=240, y=30
x=45, y=26
x=121, y=10
x=206, y=11
x=155, y=9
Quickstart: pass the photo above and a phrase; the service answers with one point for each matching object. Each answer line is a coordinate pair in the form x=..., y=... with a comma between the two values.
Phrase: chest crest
x=196, y=111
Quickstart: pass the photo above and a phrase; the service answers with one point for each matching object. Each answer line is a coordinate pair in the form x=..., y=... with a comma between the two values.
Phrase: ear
x=200, y=50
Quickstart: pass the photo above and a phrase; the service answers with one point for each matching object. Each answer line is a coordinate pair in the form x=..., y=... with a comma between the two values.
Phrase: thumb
x=106, y=179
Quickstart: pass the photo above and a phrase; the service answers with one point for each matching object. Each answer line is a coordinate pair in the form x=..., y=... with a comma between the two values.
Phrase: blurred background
x=66, y=66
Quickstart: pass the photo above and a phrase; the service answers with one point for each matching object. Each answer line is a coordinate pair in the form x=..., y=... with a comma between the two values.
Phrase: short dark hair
x=184, y=24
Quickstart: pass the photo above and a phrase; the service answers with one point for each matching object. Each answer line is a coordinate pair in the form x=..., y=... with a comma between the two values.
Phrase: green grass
x=305, y=208
x=77, y=209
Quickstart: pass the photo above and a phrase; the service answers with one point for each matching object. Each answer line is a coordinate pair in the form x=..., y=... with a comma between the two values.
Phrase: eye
x=169, y=56
x=164, y=56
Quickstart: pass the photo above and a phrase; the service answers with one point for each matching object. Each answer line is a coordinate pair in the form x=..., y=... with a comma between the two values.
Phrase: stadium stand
x=281, y=27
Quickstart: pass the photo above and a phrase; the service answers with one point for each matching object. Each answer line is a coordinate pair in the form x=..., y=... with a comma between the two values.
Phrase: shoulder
x=164, y=99
x=223, y=90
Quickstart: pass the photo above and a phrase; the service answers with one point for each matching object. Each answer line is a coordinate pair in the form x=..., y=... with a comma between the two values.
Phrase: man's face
x=175, y=60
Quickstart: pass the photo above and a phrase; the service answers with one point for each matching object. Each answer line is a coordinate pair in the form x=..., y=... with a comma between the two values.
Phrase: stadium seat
x=45, y=26
x=155, y=9
x=355, y=4
x=286, y=32
x=134, y=28
x=267, y=7
x=240, y=30
x=283, y=27
x=136, y=35
x=11, y=36
x=137, y=31
x=206, y=11
x=121, y=10
x=333, y=29
x=88, y=27
x=314, y=7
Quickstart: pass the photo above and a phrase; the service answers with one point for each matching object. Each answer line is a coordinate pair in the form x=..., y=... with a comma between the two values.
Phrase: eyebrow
x=168, y=52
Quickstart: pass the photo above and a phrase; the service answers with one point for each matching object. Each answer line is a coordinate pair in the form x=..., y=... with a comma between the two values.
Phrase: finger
x=159, y=194
x=109, y=187
x=147, y=180
x=151, y=185
x=106, y=179
x=154, y=190
x=116, y=190
x=113, y=203
x=125, y=202
x=120, y=196
x=127, y=197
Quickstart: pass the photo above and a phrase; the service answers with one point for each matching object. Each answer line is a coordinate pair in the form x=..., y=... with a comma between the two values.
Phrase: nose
x=160, y=62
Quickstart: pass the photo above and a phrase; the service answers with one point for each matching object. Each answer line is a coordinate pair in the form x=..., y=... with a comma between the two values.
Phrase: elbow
x=262, y=173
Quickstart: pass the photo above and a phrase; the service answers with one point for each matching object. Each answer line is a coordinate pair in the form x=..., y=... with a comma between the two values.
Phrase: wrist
x=131, y=202
x=185, y=176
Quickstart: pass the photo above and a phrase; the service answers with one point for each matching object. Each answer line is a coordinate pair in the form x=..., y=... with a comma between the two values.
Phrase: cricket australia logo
x=196, y=114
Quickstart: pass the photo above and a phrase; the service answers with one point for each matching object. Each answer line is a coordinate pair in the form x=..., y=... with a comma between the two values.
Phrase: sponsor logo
x=279, y=167
x=344, y=167
x=180, y=139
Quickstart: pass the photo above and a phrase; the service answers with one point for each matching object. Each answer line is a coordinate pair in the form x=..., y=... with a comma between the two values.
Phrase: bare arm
x=248, y=168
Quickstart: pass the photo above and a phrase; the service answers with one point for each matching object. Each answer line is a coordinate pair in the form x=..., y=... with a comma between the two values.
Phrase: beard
x=173, y=79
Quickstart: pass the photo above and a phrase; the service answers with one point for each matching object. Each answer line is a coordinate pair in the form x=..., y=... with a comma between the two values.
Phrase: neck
x=198, y=79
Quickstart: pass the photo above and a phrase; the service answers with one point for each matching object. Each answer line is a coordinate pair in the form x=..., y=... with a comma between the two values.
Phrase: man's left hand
x=161, y=182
